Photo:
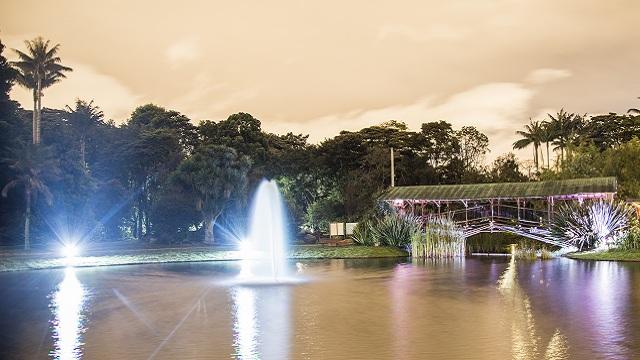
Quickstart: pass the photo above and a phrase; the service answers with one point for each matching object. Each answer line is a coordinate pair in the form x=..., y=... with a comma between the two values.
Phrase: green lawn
x=11, y=262
x=613, y=255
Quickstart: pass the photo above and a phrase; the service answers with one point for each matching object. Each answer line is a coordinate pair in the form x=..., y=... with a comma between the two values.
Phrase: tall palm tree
x=531, y=136
x=564, y=126
x=38, y=68
x=30, y=165
x=84, y=117
x=546, y=136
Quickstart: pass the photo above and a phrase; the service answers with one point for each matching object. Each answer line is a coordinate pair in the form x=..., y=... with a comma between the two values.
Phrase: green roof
x=537, y=189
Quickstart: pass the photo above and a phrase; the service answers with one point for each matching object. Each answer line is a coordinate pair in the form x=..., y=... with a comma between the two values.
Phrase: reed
x=441, y=239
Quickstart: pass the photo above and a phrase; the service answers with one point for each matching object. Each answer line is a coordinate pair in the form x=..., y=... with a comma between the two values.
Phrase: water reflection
x=607, y=285
x=524, y=339
x=66, y=305
x=261, y=322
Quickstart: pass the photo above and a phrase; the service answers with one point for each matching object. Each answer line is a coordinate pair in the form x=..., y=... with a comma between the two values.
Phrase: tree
x=507, y=169
x=84, y=117
x=546, y=137
x=243, y=133
x=7, y=77
x=442, y=144
x=564, y=126
x=39, y=68
x=30, y=165
x=532, y=135
x=474, y=145
x=158, y=141
x=214, y=174
x=610, y=130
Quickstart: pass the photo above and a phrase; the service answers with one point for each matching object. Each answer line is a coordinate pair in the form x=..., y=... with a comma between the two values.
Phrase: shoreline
x=42, y=261
x=607, y=255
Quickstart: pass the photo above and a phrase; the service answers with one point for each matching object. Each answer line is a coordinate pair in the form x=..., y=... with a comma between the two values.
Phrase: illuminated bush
x=592, y=225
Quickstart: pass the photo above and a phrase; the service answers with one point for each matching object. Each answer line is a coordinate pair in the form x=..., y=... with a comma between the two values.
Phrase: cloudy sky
x=318, y=67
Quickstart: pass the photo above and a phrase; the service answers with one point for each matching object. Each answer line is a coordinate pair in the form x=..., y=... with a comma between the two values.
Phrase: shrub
x=362, y=233
x=591, y=225
x=394, y=230
x=631, y=240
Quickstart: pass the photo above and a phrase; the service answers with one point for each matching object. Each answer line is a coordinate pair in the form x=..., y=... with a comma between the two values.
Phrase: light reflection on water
x=525, y=342
x=605, y=303
x=478, y=308
x=67, y=304
x=261, y=321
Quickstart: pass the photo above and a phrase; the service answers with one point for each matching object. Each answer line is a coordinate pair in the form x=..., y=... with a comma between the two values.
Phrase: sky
x=318, y=67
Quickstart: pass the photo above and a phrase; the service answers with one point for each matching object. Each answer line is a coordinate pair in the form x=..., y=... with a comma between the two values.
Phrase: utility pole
x=393, y=171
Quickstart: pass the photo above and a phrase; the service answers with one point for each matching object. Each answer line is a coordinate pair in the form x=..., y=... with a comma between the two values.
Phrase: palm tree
x=83, y=118
x=31, y=165
x=531, y=135
x=38, y=68
x=546, y=136
x=564, y=126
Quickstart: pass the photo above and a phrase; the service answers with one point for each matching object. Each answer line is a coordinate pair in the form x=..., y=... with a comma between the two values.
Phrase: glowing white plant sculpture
x=592, y=225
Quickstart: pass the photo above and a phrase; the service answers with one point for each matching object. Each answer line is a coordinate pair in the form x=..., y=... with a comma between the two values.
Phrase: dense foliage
x=160, y=176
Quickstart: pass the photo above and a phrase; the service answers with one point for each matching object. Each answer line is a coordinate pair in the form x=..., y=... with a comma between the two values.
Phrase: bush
x=591, y=225
x=394, y=230
x=362, y=234
x=631, y=240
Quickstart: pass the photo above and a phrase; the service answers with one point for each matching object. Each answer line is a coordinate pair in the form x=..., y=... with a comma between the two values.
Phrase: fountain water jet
x=265, y=247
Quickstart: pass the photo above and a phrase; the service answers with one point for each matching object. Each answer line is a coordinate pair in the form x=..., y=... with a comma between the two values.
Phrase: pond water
x=476, y=308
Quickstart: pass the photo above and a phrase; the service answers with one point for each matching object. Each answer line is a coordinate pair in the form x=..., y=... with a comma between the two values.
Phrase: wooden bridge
x=526, y=209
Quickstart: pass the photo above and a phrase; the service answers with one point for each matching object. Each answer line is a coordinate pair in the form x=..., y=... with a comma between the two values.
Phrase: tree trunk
x=27, y=219
x=208, y=229
x=548, y=157
x=209, y=222
x=34, y=129
x=147, y=226
x=39, y=113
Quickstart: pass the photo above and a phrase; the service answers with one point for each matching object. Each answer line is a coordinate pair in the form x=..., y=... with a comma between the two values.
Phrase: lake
x=473, y=308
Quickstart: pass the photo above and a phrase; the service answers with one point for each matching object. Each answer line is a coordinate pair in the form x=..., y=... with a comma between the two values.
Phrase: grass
x=610, y=255
x=16, y=262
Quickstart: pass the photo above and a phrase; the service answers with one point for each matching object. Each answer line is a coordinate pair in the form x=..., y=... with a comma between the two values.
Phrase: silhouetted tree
x=39, y=68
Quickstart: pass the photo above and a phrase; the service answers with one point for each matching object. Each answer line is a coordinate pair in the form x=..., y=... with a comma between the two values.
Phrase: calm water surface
x=477, y=308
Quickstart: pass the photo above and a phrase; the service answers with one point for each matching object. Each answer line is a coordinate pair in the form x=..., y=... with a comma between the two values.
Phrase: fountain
x=264, y=250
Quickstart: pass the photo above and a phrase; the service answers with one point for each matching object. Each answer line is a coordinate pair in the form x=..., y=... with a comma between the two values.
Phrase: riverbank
x=13, y=262
x=609, y=255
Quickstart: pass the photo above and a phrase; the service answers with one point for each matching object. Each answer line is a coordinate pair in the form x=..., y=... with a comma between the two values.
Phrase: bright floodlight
x=70, y=250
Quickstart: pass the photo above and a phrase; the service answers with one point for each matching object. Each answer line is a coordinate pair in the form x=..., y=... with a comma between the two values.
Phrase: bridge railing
x=504, y=214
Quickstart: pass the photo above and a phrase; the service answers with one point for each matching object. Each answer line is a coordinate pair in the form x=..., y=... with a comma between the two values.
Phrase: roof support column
x=466, y=213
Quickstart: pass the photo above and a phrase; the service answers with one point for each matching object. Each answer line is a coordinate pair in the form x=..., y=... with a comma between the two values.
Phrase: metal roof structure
x=567, y=189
